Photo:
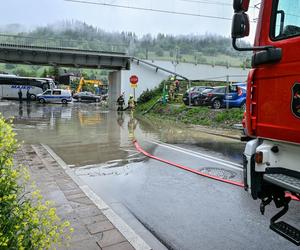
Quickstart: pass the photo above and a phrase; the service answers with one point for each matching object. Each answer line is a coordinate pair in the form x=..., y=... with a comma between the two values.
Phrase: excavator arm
x=82, y=81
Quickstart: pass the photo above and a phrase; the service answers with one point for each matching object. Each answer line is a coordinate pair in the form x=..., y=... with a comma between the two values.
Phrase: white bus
x=10, y=85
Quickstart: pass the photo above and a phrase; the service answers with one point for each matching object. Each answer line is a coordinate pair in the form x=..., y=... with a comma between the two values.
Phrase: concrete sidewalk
x=92, y=228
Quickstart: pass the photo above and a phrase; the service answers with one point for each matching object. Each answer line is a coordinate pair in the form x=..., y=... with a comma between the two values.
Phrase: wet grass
x=193, y=115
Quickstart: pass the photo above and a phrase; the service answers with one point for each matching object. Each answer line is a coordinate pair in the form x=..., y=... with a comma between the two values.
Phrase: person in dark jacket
x=121, y=102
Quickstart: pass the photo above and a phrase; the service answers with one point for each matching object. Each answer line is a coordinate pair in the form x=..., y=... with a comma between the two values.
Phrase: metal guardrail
x=32, y=47
x=83, y=45
x=159, y=68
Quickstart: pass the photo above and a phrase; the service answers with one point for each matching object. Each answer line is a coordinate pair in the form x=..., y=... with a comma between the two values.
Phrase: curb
x=134, y=239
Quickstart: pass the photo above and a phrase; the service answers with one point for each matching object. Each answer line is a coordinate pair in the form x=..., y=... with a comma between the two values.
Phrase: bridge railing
x=83, y=44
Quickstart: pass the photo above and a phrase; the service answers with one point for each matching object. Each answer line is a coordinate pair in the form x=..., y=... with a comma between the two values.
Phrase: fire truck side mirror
x=241, y=5
x=240, y=25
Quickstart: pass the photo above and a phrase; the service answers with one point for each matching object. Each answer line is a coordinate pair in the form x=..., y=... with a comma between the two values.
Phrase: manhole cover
x=219, y=172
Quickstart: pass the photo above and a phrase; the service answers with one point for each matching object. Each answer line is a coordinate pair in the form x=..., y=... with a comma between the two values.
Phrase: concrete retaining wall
x=150, y=77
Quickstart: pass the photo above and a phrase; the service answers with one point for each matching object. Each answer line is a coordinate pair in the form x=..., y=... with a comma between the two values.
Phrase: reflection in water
x=81, y=134
x=89, y=119
x=132, y=123
x=20, y=110
x=28, y=106
x=120, y=119
x=86, y=134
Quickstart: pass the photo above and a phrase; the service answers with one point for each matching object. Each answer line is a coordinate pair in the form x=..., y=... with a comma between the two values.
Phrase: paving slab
x=99, y=227
x=85, y=245
x=92, y=229
x=94, y=219
x=119, y=246
x=109, y=238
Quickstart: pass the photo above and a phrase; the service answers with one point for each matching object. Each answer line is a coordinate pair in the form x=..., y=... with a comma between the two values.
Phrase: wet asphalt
x=183, y=210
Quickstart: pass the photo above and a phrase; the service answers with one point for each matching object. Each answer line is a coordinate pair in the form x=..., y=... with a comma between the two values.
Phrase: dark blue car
x=231, y=96
x=236, y=96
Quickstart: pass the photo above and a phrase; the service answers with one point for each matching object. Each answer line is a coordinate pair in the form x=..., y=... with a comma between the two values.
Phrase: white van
x=55, y=95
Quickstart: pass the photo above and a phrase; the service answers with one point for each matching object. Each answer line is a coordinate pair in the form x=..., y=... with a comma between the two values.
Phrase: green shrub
x=26, y=222
x=147, y=95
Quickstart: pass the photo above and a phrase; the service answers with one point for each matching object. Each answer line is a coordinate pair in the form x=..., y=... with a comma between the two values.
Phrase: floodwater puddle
x=87, y=134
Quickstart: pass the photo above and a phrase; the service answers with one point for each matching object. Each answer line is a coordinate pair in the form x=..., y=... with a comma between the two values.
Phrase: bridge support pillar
x=114, y=89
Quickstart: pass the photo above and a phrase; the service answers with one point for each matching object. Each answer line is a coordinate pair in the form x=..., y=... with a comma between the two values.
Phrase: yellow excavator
x=83, y=81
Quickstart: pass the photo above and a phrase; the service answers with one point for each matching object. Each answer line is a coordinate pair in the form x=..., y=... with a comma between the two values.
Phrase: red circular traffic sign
x=133, y=79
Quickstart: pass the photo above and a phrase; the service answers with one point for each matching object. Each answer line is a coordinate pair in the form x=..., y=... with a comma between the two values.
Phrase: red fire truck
x=272, y=157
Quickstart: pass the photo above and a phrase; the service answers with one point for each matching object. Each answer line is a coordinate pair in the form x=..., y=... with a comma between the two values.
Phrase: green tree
x=159, y=52
x=10, y=66
x=54, y=72
x=22, y=72
x=45, y=73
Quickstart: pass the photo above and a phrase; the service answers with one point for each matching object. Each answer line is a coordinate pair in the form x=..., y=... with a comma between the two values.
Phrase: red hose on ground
x=138, y=147
x=239, y=184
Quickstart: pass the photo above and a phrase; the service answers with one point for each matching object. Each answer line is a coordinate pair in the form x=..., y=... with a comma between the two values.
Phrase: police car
x=55, y=96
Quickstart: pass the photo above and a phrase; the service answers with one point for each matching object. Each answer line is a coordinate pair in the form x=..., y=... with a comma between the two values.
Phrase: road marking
x=136, y=153
x=199, y=155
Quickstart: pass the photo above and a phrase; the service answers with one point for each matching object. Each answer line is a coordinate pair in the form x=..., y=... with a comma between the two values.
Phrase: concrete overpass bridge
x=60, y=56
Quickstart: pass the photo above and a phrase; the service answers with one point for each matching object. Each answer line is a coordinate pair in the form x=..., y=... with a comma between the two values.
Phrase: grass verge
x=193, y=115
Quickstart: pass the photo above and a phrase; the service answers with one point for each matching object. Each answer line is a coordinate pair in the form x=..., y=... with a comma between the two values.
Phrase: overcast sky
x=32, y=13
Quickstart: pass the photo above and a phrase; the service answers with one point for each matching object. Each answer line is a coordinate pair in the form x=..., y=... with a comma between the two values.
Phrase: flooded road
x=183, y=210
x=83, y=134
x=80, y=134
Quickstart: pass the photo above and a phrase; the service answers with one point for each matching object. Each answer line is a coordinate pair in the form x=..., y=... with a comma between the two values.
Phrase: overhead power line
x=207, y=2
x=149, y=9
x=217, y=3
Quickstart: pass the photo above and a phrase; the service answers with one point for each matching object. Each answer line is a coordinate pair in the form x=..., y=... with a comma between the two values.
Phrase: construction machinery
x=83, y=81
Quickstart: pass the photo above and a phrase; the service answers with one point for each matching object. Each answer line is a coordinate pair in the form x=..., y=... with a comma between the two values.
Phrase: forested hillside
x=211, y=49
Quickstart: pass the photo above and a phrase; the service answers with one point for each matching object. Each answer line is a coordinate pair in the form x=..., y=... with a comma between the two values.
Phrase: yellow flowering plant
x=26, y=222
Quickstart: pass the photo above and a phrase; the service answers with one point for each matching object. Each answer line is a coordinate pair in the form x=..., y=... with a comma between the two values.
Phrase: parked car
x=55, y=95
x=193, y=93
x=86, y=96
x=104, y=97
x=214, y=97
x=199, y=99
x=231, y=96
x=236, y=97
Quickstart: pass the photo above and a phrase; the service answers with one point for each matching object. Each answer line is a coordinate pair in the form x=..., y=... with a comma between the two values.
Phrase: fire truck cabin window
x=287, y=19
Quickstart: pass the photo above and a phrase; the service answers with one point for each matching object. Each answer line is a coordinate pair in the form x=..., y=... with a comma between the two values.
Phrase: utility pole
x=176, y=61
